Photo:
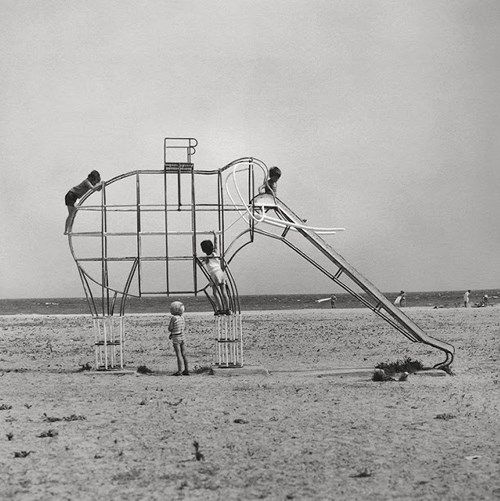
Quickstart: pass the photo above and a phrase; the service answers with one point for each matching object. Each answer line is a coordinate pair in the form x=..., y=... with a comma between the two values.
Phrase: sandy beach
x=297, y=433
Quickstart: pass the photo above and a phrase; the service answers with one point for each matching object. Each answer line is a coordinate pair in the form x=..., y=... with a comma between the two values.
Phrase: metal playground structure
x=140, y=236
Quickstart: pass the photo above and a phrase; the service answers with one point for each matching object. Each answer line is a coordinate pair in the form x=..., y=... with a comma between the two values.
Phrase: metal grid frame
x=176, y=173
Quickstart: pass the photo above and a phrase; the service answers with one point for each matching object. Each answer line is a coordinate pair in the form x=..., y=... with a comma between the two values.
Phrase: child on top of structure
x=270, y=186
x=176, y=328
x=93, y=181
x=218, y=277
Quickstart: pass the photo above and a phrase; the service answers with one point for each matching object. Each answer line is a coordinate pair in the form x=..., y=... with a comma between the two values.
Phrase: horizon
x=322, y=294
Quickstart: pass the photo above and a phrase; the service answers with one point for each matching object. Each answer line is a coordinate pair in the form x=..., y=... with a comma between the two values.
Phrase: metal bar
x=112, y=308
x=142, y=233
x=222, y=240
x=103, y=253
x=166, y=226
x=219, y=188
x=193, y=228
x=127, y=287
x=96, y=339
x=174, y=167
x=133, y=258
x=122, y=337
x=138, y=209
x=160, y=208
x=241, y=338
x=105, y=340
x=87, y=290
x=179, y=202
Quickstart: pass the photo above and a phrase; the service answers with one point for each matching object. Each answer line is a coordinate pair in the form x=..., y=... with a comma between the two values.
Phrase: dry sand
x=289, y=435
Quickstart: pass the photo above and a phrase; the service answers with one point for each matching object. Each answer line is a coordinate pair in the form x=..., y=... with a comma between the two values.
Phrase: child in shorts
x=218, y=277
x=93, y=181
x=176, y=328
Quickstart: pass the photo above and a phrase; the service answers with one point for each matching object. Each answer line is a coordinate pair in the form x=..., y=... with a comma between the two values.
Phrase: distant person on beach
x=466, y=299
x=333, y=298
x=484, y=300
x=93, y=181
x=400, y=300
x=176, y=328
x=217, y=276
x=270, y=186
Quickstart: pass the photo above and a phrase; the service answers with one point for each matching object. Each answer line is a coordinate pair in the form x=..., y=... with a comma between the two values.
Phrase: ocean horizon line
x=159, y=303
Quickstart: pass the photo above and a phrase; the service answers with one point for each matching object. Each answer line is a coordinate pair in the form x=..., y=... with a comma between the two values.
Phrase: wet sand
x=297, y=433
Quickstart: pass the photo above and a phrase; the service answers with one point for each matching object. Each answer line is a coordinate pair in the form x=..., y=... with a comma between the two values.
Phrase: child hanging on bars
x=93, y=181
x=217, y=276
x=176, y=328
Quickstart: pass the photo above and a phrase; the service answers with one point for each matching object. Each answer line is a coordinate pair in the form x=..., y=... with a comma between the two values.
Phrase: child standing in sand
x=176, y=328
x=93, y=181
x=218, y=277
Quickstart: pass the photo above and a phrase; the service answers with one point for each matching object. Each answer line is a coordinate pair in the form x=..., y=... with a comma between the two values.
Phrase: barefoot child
x=176, y=327
x=218, y=277
x=93, y=181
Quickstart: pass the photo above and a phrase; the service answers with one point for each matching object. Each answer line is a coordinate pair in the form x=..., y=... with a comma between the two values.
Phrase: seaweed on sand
x=406, y=365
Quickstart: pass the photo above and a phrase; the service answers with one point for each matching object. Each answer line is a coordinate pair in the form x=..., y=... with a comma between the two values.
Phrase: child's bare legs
x=225, y=298
x=221, y=297
x=217, y=298
x=181, y=357
x=183, y=354
x=71, y=213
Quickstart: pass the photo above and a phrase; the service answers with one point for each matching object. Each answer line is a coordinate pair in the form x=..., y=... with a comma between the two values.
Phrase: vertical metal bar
x=111, y=342
x=218, y=339
x=167, y=281
x=241, y=338
x=121, y=342
x=103, y=254
x=138, y=212
x=226, y=338
x=105, y=213
x=233, y=344
x=220, y=206
x=223, y=237
x=193, y=227
x=251, y=198
x=105, y=345
x=96, y=340
x=179, y=202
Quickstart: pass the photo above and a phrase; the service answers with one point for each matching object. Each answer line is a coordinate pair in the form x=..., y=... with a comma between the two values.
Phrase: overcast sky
x=384, y=117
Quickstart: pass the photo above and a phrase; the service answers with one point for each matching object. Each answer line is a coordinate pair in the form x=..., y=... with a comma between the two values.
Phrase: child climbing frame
x=162, y=259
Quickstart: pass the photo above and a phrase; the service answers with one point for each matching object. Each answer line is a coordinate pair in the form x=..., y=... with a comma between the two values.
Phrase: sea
x=157, y=304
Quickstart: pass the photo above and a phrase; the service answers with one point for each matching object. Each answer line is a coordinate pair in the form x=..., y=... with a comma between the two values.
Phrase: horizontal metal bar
x=132, y=258
x=134, y=234
x=178, y=167
x=161, y=208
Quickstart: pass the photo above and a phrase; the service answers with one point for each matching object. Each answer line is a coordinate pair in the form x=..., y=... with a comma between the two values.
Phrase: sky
x=384, y=117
